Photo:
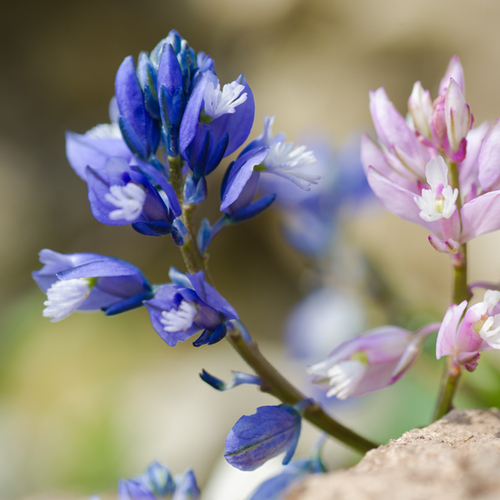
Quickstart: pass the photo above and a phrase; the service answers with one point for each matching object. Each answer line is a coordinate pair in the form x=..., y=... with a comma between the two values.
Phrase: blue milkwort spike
x=217, y=154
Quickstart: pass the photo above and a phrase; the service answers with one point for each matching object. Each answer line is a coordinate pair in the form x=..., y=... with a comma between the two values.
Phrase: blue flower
x=311, y=218
x=265, y=154
x=215, y=123
x=157, y=484
x=97, y=145
x=187, y=306
x=256, y=438
x=275, y=487
x=139, y=195
x=89, y=282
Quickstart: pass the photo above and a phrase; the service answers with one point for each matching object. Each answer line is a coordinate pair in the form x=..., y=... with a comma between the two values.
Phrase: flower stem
x=191, y=254
x=274, y=383
x=451, y=373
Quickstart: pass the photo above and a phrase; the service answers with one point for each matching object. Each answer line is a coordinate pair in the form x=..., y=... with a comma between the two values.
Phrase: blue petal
x=256, y=438
x=253, y=209
x=179, y=278
x=84, y=150
x=133, y=490
x=130, y=100
x=274, y=488
x=160, y=479
x=195, y=193
x=127, y=304
x=187, y=488
x=153, y=228
x=239, y=175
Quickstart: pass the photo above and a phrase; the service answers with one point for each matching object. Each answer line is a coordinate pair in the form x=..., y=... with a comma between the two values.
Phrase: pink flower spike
x=488, y=161
x=457, y=116
x=455, y=71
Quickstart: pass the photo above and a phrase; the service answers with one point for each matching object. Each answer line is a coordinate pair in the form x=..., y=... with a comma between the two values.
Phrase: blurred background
x=91, y=399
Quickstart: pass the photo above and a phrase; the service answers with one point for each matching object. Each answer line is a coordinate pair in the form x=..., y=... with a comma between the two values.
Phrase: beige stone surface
x=455, y=458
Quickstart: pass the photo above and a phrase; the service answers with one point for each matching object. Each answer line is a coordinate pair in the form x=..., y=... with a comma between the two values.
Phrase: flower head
x=89, y=282
x=369, y=362
x=187, y=306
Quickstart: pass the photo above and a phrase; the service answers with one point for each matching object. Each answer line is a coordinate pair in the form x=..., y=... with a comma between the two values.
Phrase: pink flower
x=478, y=330
x=408, y=168
x=369, y=362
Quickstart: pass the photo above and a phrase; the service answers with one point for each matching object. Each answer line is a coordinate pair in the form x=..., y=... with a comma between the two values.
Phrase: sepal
x=195, y=192
x=239, y=378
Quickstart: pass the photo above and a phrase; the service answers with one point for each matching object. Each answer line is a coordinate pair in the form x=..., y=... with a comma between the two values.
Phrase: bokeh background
x=90, y=399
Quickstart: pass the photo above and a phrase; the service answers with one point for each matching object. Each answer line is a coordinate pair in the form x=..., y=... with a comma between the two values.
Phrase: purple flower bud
x=256, y=438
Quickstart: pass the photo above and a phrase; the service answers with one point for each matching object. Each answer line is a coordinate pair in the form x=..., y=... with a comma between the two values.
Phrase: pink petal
x=480, y=216
x=468, y=167
x=399, y=201
x=392, y=129
x=488, y=161
x=445, y=344
x=455, y=71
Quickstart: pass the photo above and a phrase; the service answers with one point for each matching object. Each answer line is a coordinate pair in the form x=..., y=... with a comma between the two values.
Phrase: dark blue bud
x=195, y=193
x=179, y=232
x=179, y=278
x=253, y=209
x=204, y=235
x=186, y=487
x=160, y=479
x=256, y=438
x=131, y=138
x=174, y=39
x=239, y=378
x=211, y=337
x=200, y=165
x=146, y=74
x=217, y=154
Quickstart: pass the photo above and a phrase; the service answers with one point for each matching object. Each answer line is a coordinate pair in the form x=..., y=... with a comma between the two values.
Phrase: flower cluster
x=434, y=169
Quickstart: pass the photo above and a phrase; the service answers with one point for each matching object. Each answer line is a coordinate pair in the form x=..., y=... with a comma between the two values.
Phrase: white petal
x=128, y=199
x=64, y=297
x=180, y=319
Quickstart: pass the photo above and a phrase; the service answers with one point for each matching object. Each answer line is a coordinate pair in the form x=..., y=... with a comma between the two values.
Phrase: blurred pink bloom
x=370, y=362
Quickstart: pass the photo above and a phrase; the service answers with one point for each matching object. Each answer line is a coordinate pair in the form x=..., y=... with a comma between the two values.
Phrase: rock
x=455, y=458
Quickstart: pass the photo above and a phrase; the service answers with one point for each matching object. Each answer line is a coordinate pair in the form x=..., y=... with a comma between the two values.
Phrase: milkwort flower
x=464, y=335
x=187, y=306
x=89, y=282
x=241, y=180
x=369, y=362
x=311, y=218
x=408, y=168
x=157, y=483
x=257, y=438
x=216, y=122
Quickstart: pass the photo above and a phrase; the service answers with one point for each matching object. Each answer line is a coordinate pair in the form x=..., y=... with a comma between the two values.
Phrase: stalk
x=451, y=373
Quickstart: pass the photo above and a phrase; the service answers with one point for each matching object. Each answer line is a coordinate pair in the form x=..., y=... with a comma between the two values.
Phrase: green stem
x=274, y=383
x=451, y=373
x=449, y=383
x=191, y=254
